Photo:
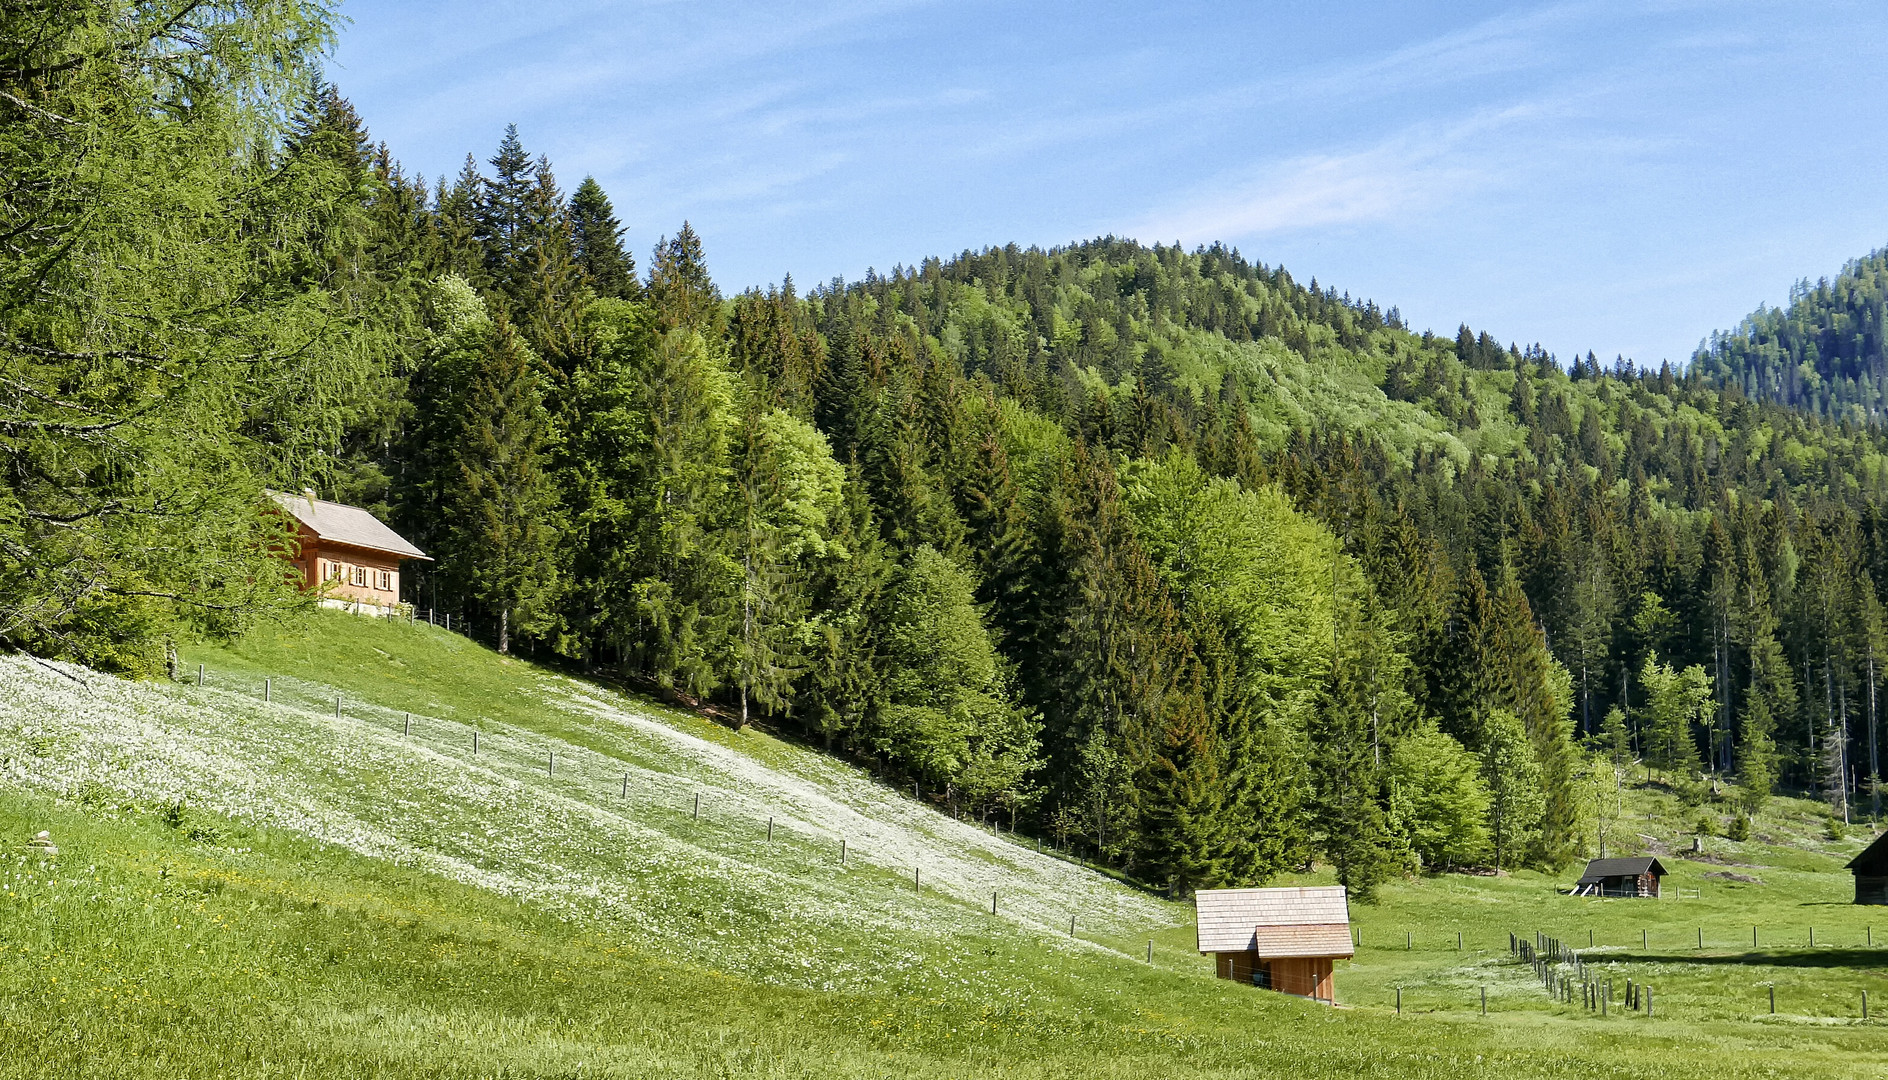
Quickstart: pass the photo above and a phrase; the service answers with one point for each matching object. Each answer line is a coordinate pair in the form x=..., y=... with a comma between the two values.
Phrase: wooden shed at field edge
x=1871, y=872
x=1284, y=939
x=1621, y=877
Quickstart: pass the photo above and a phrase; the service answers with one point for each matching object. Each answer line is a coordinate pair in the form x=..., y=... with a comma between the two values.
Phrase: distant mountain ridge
x=1826, y=353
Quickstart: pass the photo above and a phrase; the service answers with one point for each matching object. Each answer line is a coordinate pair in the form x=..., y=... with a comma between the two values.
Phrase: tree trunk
x=504, y=630
x=1874, y=762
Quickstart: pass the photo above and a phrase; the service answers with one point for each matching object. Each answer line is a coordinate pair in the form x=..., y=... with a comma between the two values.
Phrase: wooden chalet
x=1637, y=876
x=346, y=555
x=1285, y=939
x=1871, y=872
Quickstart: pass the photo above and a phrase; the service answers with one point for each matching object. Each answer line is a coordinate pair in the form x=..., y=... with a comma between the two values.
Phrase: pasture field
x=284, y=888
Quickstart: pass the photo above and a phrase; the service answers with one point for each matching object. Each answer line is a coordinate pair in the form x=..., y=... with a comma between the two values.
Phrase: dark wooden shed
x=1871, y=872
x=1621, y=877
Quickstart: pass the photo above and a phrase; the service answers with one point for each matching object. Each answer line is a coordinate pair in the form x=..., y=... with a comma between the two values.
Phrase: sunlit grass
x=522, y=923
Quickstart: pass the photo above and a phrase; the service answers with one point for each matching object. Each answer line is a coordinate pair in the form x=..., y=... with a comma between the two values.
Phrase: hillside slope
x=1826, y=353
x=561, y=834
x=266, y=888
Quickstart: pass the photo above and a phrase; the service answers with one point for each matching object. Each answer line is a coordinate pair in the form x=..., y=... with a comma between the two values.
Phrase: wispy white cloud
x=1412, y=171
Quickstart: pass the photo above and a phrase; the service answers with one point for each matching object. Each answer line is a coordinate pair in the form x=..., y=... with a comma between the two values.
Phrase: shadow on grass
x=1792, y=958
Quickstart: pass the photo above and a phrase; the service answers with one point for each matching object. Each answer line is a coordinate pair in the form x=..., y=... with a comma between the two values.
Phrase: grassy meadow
x=281, y=888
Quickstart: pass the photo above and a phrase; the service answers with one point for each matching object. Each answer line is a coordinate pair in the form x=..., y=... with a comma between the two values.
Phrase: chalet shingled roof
x=339, y=523
x=1600, y=869
x=1288, y=919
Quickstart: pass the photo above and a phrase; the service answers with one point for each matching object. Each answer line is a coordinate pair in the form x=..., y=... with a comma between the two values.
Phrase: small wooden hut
x=1871, y=872
x=1621, y=877
x=1284, y=939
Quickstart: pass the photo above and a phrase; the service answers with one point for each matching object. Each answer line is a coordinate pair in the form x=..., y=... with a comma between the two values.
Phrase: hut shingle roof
x=1230, y=919
x=1873, y=861
x=1600, y=869
x=1324, y=939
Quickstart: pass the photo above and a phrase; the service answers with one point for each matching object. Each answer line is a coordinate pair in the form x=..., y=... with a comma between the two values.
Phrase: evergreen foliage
x=1827, y=352
x=1157, y=553
x=597, y=243
x=181, y=321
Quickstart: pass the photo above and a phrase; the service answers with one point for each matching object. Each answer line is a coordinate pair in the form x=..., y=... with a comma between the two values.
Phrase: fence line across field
x=366, y=712
x=1548, y=955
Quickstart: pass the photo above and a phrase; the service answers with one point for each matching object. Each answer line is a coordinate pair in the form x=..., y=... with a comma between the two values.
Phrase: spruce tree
x=684, y=295
x=554, y=300
x=687, y=586
x=505, y=216
x=597, y=243
x=456, y=219
x=842, y=689
x=1184, y=833
x=505, y=508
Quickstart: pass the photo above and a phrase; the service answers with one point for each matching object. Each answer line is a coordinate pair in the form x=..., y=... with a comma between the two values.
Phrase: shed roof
x=1600, y=869
x=1324, y=939
x=1873, y=861
x=340, y=523
x=1229, y=919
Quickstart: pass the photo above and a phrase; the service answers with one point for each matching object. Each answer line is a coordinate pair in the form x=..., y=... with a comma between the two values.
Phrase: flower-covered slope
x=546, y=819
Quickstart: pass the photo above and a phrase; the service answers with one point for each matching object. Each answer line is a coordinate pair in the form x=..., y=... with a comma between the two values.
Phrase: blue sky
x=1623, y=178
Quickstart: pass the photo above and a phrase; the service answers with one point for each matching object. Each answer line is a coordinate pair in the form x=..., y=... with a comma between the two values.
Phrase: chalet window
x=359, y=576
x=384, y=580
x=334, y=571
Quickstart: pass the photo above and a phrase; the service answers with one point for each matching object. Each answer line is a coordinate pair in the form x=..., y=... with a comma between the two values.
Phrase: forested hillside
x=1827, y=352
x=1156, y=553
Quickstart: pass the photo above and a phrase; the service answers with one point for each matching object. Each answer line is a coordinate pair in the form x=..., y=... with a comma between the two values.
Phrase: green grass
x=336, y=900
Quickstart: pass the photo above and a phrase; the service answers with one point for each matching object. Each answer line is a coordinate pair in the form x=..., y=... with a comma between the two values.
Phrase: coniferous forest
x=1158, y=554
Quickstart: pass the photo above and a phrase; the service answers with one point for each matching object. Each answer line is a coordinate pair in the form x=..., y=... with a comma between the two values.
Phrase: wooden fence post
x=914, y=879
x=337, y=706
x=993, y=901
x=697, y=814
x=842, y=851
x=475, y=740
x=1484, y=1001
x=1812, y=937
x=626, y=789
x=770, y=828
x=1071, y=926
x=1150, y=950
x=268, y=690
x=1399, y=1001
x=1773, y=999
x=1648, y=1001
x=199, y=674
x=407, y=728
